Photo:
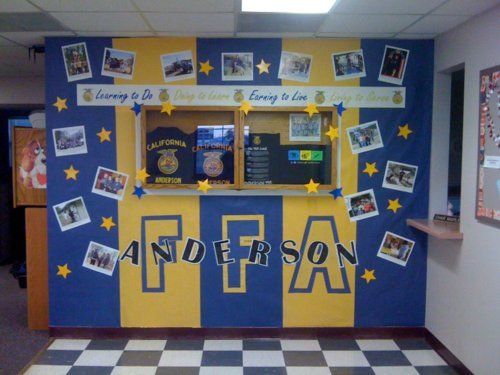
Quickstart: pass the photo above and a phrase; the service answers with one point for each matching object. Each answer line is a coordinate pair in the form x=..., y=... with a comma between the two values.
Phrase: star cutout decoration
x=104, y=135
x=263, y=67
x=370, y=168
x=63, y=271
x=139, y=191
x=332, y=133
x=336, y=193
x=404, y=131
x=204, y=186
x=205, y=67
x=60, y=104
x=167, y=107
x=71, y=173
x=311, y=109
x=136, y=108
x=107, y=222
x=340, y=108
x=141, y=175
x=369, y=276
x=245, y=107
x=312, y=187
x=394, y=205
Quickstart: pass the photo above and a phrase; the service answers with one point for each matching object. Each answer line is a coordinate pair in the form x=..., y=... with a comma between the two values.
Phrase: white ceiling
x=215, y=18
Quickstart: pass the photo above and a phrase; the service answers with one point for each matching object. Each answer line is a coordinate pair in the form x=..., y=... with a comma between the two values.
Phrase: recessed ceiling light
x=287, y=6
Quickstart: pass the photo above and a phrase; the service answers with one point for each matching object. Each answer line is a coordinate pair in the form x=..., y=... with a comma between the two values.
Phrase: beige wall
x=16, y=91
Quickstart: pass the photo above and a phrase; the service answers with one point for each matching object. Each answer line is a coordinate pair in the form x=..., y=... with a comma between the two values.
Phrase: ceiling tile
x=28, y=38
x=195, y=6
x=191, y=22
x=295, y=23
x=102, y=21
x=355, y=35
x=274, y=35
x=435, y=24
x=203, y=34
x=122, y=34
x=370, y=24
x=5, y=42
x=85, y=6
x=29, y=22
x=386, y=6
x=16, y=6
x=465, y=7
x=414, y=36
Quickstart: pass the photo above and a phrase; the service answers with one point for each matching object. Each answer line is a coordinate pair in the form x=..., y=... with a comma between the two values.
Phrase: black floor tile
x=184, y=345
x=177, y=371
x=351, y=371
x=303, y=358
x=435, y=370
x=90, y=370
x=222, y=358
x=264, y=371
x=338, y=344
x=386, y=358
x=261, y=344
x=412, y=344
x=107, y=344
x=140, y=358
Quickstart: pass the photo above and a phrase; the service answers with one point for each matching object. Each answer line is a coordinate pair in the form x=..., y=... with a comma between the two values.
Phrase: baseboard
x=446, y=354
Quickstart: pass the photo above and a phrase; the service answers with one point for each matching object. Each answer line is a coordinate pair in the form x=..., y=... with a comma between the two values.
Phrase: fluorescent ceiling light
x=287, y=6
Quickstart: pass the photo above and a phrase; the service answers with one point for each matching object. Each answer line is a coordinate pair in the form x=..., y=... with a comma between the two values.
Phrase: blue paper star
x=340, y=108
x=337, y=193
x=136, y=108
x=139, y=191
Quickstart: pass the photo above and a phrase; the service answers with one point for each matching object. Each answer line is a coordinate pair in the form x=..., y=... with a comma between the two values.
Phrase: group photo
x=117, y=63
x=304, y=128
x=347, y=65
x=100, y=258
x=110, y=183
x=69, y=141
x=237, y=66
x=71, y=214
x=395, y=248
x=361, y=205
x=400, y=176
x=295, y=66
x=364, y=137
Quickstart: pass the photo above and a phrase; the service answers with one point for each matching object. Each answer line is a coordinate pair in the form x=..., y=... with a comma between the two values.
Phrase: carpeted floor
x=18, y=345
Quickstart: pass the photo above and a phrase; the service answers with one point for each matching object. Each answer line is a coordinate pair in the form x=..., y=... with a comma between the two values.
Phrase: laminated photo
x=400, y=176
x=295, y=66
x=237, y=66
x=76, y=61
x=361, y=205
x=71, y=214
x=348, y=65
x=69, y=141
x=392, y=69
x=364, y=137
x=395, y=248
x=177, y=66
x=110, y=183
x=100, y=258
x=117, y=63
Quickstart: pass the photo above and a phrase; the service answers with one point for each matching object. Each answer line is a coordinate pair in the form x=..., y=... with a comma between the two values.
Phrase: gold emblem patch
x=212, y=165
x=168, y=163
x=397, y=97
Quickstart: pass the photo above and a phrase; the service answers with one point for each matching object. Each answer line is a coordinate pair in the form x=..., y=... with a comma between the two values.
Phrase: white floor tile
x=424, y=358
x=395, y=370
x=98, y=358
x=345, y=358
x=134, y=370
x=308, y=370
x=377, y=345
x=64, y=344
x=223, y=345
x=258, y=358
x=298, y=345
x=146, y=345
x=226, y=370
x=181, y=358
x=47, y=370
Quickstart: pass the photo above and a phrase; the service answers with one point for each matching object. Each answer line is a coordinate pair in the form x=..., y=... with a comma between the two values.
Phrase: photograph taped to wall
x=348, y=65
x=395, y=248
x=76, y=61
x=110, y=183
x=304, y=128
x=237, y=66
x=177, y=66
x=393, y=67
x=117, y=63
x=488, y=183
x=295, y=66
x=71, y=214
x=365, y=137
x=69, y=141
x=361, y=205
x=400, y=176
x=100, y=258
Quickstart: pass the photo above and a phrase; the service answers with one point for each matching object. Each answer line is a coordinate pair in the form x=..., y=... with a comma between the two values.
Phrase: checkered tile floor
x=246, y=357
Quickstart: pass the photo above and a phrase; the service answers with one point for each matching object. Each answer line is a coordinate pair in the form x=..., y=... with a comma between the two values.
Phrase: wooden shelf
x=437, y=229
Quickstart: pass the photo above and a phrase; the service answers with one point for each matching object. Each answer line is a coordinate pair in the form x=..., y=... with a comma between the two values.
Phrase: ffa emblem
x=87, y=95
x=256, y=140
x=397, y=98
x=319, y=97
x=212, y=165
x=163, y=96
x=168, y=163
x=238, y=96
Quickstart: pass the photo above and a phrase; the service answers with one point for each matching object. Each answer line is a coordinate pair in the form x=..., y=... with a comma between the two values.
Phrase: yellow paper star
x=205, y=67
x=107, y=222
x=167, y=107
x=333, y=133
x=312, y=187
x=141, y=175
x=370, y=168
x=369, y=276
x=104, y=135
x=245, y=107
x=204, y=186
x=63, y=271
x=71, y=173
x=394, y=205
x=404, y=131
x=311, y=109
x=60, y=104
x=263, y=66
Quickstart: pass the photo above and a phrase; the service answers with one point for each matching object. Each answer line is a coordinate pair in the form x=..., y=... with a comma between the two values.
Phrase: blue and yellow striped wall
x=238, y=295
